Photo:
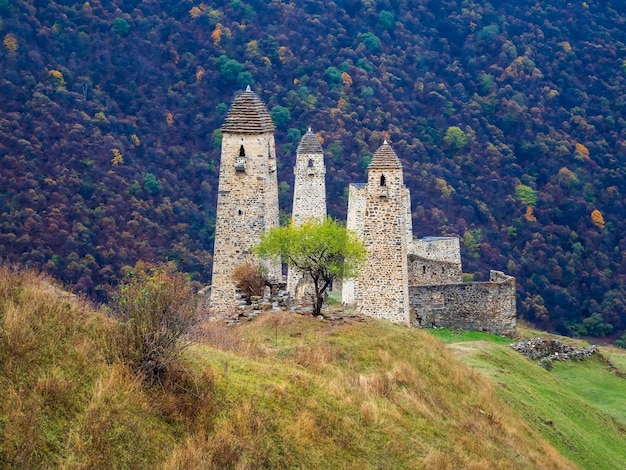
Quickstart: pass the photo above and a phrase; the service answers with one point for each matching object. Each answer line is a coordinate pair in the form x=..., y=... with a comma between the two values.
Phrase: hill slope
x=508, y=120
x=292, y=391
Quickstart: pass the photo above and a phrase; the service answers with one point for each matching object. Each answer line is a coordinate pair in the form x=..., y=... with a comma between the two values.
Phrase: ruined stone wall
x=382, y=286
x=483, y=306
x=427, y=272
x=356, y=217
x=247, y=206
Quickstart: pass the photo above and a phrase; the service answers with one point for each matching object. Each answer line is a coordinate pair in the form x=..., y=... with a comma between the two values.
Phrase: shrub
x=250, y=279
x=157, y=308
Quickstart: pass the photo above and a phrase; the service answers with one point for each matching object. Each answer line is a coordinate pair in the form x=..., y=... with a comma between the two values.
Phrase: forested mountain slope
x=508, y=119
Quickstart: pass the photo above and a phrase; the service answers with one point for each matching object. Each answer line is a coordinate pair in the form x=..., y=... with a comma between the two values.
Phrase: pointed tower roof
x=385, y=158
x=248, y=115
x=310, y=144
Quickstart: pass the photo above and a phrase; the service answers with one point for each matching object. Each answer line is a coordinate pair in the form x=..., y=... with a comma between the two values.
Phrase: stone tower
x=382, y=285
x=309, y=193
x=247, y=201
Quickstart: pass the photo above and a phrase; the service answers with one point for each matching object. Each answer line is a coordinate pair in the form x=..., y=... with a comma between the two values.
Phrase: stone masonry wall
x=427, y=272
x=382, y=289
x=247, y=206
x=309, y=201
x=446, y=249
x=482, y=306
x=356, y=217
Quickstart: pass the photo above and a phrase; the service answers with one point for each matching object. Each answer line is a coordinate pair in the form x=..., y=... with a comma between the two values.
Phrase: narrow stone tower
x=247, y=201
x=309, y=197
x=382, y=285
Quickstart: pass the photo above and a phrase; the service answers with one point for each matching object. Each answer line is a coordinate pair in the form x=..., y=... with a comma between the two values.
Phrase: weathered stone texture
x=427, y=272
x=482, y=306
x=382, y=287
x=247, y=202
x=355, y=220
x=309, y=200
x=445, y=249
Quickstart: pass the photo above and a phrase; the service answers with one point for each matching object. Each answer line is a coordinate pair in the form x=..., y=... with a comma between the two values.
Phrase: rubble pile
x=553, y=350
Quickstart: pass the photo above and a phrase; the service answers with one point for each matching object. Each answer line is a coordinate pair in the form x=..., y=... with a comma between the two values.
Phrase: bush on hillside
x=158, y=309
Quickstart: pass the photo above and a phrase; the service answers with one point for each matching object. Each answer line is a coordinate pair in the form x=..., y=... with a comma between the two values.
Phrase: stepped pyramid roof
x=248, y=115
x=310, y=143
x=385, y=158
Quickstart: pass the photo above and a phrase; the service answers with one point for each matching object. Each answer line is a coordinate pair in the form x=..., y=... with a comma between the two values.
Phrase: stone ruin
x=408, y=281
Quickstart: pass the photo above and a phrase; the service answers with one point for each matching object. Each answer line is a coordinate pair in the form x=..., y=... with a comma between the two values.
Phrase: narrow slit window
x=310, y=163
x=240, y=212
x=423, y=269
x=242, y=151
x=383, y=182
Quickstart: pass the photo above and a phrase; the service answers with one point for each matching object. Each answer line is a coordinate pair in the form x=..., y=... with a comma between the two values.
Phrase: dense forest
x=508, y=119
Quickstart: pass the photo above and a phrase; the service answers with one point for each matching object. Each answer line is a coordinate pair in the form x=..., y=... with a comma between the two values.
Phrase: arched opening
x=240, y=212
x=383, y=182
x=310, y=163
x=423, y=269
x=242, y=151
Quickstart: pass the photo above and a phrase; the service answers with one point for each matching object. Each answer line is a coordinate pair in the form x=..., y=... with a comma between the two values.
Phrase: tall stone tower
x=382, y=285
x=247, y=201
x=309, y=195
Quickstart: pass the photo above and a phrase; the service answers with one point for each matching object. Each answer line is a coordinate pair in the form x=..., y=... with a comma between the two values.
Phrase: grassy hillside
x=577, y=406
x=280, y=391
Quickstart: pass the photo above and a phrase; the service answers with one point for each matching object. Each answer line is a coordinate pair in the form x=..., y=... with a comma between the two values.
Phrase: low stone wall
x=427, y=272
x=482, y=306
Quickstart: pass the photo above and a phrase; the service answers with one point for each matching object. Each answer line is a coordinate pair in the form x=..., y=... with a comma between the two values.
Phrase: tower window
x=423, y=269
x=242, y=151
x=310, y=163
x=383, y=182
x=240, y=212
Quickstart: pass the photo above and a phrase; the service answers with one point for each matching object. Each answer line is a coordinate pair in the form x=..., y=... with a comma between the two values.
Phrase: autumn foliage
x=494, y=99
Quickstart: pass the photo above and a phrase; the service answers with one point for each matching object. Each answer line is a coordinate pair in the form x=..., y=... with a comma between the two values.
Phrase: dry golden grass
x=282, y=391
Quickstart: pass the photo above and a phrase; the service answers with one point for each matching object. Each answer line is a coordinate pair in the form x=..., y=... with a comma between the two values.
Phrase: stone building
x=379, y=212
x=416, y=282
x=247, y=201
x=309, y=198
x=381, y=289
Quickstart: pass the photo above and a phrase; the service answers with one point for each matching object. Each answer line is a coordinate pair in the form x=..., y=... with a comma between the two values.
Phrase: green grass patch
x=578, y=407
x=448, y=336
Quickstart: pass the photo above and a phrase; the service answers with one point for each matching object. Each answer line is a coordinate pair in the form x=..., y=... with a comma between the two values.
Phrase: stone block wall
x=247, y=206
x=427, y=272
x=309, y=199
x=483, y=306
x=446, y=249
x=382, y=286
x=356, y=217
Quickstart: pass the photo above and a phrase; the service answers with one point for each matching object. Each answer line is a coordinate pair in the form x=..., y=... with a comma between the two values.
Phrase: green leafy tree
x=526, y=194
x=371, y=42
x=281, y=116
x=230, y=68
x=386, y=20
x=455, y=138
x=151, y=184
x=321, y=250
x=121, y=26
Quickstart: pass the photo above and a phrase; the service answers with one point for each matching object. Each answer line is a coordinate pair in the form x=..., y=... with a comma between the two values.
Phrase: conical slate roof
x=248, y=115
x=310, y=144
x=385, y=158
